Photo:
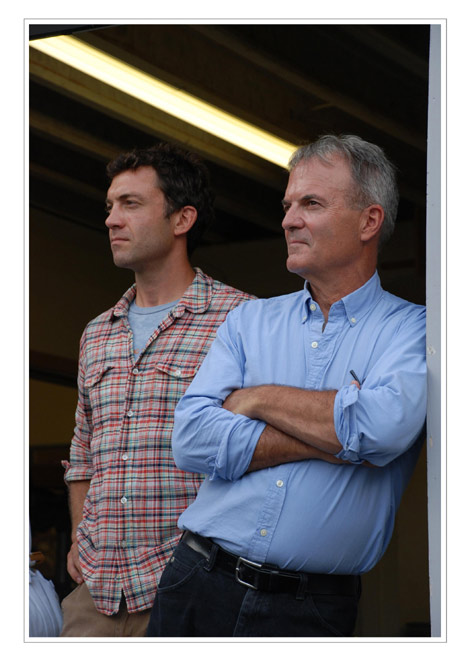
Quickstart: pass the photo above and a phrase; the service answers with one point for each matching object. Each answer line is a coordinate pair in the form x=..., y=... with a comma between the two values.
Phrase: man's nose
x=291, y=219
x=112, y=219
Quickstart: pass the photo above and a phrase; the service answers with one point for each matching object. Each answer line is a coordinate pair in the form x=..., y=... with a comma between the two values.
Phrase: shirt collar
x=121, y=308
x=196, y=298
x=357, y=303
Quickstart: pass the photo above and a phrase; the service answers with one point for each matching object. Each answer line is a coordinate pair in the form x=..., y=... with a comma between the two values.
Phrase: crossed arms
x=299, y=423
x=230, y=422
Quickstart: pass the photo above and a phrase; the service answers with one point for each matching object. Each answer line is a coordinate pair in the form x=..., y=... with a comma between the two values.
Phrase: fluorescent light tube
x=173, y=101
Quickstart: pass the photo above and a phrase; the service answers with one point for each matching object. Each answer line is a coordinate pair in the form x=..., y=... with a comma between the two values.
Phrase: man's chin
x=293, y=266
x=121, y=262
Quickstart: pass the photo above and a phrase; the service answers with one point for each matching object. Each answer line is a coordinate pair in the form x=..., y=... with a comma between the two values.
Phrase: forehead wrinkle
x=311, y=196
x=320, y=198
x=323, y=190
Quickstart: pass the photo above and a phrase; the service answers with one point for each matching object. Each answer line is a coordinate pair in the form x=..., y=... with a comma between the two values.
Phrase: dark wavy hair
x=183, y=178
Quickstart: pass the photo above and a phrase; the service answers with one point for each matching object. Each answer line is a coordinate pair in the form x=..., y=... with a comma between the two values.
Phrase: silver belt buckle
x=240, y=561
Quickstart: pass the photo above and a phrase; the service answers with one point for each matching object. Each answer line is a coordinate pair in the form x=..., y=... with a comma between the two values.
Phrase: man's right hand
x=73, y=564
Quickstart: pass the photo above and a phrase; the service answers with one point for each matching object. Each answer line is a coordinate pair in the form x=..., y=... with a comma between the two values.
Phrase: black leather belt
x=266, y=577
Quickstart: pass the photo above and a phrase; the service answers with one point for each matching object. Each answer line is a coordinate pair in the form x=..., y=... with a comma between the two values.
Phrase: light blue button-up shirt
x=308, y=515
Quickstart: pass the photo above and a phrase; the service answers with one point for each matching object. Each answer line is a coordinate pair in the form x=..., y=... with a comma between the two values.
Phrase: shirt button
x=314, y=345
x=123, y=544
x=123, y=499
x=263, y=532
x=313, y=307
x=125, y=457
x=135, y=371
x=279, y=483
x=353, y=320
x=130, y=413
x=178, y=372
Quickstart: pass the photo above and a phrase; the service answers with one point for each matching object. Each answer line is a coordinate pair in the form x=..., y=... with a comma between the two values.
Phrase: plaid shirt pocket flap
x=177, y=369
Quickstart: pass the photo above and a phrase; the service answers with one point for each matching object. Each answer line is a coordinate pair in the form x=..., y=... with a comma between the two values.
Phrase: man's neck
x=163, y=285
x=325, y=294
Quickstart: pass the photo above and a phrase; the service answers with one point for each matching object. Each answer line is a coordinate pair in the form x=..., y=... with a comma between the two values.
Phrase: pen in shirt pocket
x=356, y=377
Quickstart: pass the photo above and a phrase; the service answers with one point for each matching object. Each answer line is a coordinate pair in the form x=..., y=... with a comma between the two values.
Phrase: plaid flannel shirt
x=122, y=441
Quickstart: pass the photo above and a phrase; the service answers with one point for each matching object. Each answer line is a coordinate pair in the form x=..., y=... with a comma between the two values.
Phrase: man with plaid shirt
x=136, y=360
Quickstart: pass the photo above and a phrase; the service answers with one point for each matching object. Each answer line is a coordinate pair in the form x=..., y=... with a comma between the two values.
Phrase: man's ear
x=184, y=219
x=371, y=223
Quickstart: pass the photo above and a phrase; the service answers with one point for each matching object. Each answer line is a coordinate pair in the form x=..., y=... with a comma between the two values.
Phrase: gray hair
x=373, y=174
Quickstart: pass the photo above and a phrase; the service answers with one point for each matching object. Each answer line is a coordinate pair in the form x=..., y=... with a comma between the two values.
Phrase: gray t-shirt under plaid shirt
x=145, y=321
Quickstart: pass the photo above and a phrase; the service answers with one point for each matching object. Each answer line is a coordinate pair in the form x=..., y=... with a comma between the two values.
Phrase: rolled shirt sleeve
x=381, y=420
x=80, y=466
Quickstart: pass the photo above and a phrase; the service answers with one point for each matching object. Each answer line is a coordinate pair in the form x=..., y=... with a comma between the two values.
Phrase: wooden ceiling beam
x=307, y=85
x=71, y=136
x=376, y=41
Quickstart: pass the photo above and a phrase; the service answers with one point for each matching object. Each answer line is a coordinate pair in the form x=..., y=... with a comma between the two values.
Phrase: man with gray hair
x=306, y=418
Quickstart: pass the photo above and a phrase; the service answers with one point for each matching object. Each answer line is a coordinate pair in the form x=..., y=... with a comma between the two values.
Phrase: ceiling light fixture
x=173, y=101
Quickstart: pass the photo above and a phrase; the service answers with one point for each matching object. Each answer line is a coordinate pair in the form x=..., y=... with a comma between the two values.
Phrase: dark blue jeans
x=197, y=598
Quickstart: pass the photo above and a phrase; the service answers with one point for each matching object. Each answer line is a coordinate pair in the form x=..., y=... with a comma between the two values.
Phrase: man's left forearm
x=274, y=447
x=304, y=414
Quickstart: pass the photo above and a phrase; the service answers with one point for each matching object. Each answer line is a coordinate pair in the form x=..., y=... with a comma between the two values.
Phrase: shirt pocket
x=173, y=376
x=105, y=386
x=177, y=371
x=95, y=373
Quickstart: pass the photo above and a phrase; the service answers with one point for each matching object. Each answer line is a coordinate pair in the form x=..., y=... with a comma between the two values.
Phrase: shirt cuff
x=73, y=473
x=346, y=423
x=235, y=454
